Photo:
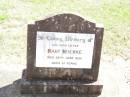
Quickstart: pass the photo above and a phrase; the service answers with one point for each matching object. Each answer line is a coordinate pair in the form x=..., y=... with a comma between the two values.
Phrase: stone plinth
x=59, y=87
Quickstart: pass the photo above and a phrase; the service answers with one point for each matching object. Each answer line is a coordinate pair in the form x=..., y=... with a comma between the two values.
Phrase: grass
x=114, y=15
x=5, y=5
x=3, y=16
x=13, y=48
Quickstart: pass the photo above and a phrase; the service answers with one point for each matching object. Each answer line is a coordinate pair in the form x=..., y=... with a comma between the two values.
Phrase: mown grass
x=13, y=48
x=5, y=5
x=114, y=15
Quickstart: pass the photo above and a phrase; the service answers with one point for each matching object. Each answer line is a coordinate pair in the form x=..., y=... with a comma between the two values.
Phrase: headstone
x=63, y=56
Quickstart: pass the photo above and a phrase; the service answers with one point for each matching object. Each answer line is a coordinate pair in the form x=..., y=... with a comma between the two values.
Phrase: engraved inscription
x=64, y=50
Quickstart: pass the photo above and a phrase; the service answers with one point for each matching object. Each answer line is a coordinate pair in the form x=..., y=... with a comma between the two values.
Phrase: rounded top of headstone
x=66, y=22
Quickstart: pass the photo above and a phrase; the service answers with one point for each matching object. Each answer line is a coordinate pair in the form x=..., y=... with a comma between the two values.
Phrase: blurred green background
x=16, y=14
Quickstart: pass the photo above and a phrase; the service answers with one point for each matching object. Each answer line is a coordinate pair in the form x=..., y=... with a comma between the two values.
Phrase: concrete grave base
x=13, y=90
x=58, y=87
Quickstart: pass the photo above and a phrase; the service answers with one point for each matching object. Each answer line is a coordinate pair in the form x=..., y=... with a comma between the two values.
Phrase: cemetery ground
x=115, y=61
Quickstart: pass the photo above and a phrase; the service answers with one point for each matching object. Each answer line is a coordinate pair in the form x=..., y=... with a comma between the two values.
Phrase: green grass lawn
x=113, y=14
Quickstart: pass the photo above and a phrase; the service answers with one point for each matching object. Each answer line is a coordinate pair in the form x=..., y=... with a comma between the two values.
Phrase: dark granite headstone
x=63, y=56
